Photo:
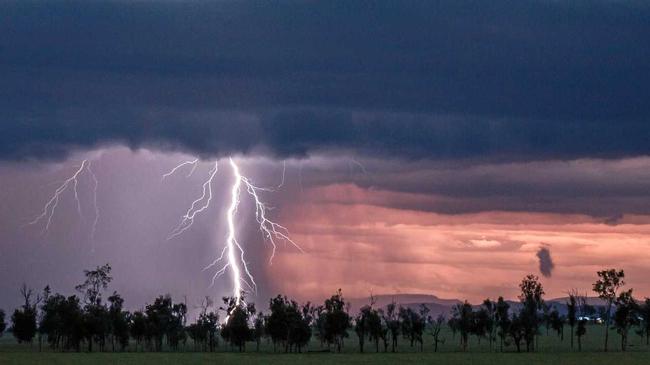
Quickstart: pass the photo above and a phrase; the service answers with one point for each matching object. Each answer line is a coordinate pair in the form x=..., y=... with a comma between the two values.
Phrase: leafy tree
x=300, y=320
x=626, y=316
x=236, y=330
x=259, y=324
x=464, y=320
x=24, y=318
x=531, y=298
x=204, y=331
x=391, y=318
x=502, y=318
x=95, y=318
x=164, y=319
x=607, y=287
x=210, y=323
x=288, y=324
x=413, y=324
x=376, y=328
x=557, y=323
x=138, y=327
x=119, y=321
x=277, y=324
x=490, y=315
x=517, y=330
x=361, y=325
x=336, y=320
x=62, y=321
x=96, y=281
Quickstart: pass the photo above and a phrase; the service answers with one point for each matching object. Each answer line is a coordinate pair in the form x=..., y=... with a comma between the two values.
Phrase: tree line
x=92, y=320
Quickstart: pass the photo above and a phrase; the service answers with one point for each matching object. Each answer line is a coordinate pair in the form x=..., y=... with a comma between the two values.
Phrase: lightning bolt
x=194, y=164
x=72, y=182
x=233, y=252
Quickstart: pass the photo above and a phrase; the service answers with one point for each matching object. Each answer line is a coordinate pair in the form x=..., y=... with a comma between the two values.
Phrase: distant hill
x=439, y=306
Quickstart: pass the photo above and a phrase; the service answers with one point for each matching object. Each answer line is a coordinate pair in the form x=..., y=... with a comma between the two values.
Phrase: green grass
x=550, y=351
x=304, y=359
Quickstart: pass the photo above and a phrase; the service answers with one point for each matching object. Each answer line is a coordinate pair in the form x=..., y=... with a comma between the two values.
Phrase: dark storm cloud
x=546, y=264
x=444, y=79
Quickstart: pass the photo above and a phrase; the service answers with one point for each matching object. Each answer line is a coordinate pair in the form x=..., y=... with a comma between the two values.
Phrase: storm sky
x=430, y=146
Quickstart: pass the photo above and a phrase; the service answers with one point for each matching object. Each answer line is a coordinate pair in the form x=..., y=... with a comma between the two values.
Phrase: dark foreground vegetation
x=93, y=322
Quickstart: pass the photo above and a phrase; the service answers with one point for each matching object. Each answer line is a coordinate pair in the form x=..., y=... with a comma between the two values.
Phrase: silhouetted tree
x=119, y=321
x=490, y=310
x=24, y=318
x=607, y=286
x=336, y=320
x=517, y=330
x=532, y=301
x=413, y=324
x=572, y=312
x=259, y=324
x=138, y=327
x=464, y=320
x=95, y=317
x=376, y=328
x=626, y=316
x=502, y=318
x=164, y=319
x=435, y=326
x=557, y=323
x=236, y=330
x=391, y=318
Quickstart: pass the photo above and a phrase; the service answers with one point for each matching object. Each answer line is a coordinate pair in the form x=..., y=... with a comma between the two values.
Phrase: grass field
x=551, y=351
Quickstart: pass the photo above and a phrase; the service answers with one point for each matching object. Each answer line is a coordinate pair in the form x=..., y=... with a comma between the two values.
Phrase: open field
x=551, y=351
x=314, y=358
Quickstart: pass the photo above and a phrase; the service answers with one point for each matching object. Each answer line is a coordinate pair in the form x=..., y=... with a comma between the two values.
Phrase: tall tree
x=436, y=329
x=119, y=321
x=502, y=317
x=336, y=320
x=138, y=328
x=464, y=319
x=391, y=318
x=236, y=329
x=607, y=286
x=626, y=316
x=532, y=300
x=490, y=310
x=95, y=318
x=557, y=323
x=572, y=312
x=24, y=318
x=361, y=325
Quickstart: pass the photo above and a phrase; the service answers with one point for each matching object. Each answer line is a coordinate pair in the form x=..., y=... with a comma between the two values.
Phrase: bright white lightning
x=233, y=252
x=50, y=207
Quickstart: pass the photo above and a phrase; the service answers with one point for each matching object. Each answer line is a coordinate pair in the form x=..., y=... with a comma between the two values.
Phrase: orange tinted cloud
x=354, y=240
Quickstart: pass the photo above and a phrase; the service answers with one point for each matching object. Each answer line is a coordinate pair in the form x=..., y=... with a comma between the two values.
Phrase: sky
x=438, y=147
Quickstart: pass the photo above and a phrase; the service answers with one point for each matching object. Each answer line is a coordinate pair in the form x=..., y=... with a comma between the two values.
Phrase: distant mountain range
x=439, y=306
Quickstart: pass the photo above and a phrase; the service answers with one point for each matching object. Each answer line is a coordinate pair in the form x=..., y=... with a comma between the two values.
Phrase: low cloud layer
x=438, y=80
